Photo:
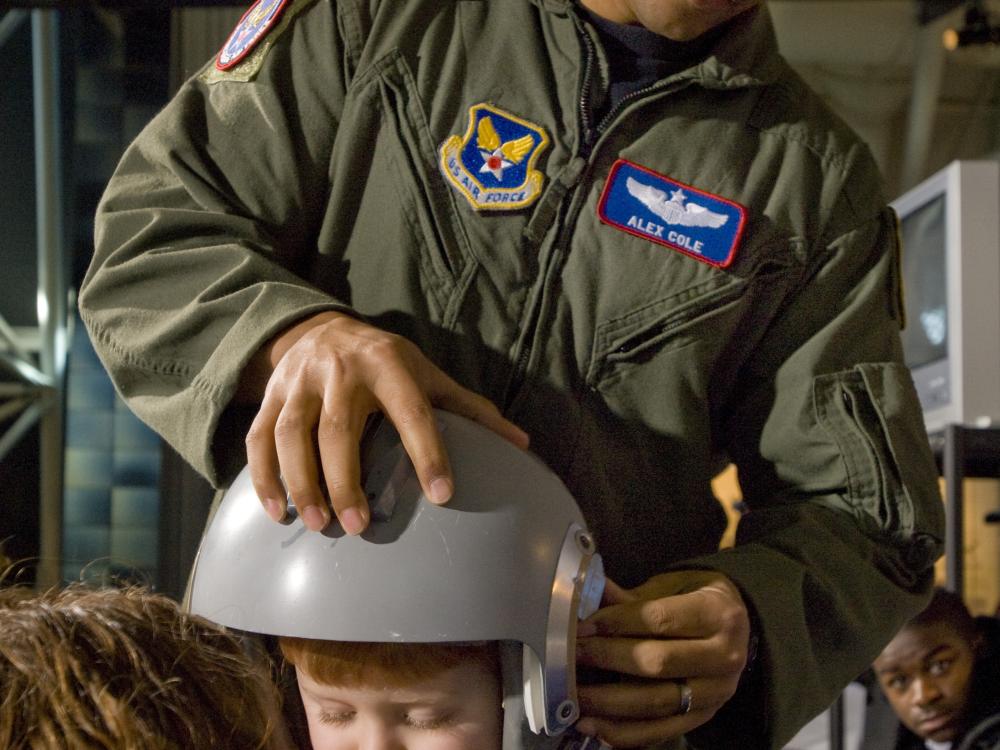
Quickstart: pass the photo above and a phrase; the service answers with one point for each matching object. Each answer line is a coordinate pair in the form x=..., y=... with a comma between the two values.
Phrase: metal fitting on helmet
x=508, y=559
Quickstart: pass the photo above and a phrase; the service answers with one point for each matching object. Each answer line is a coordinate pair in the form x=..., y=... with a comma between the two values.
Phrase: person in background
x=126, y=669
x=941, y=675
x=624, y=229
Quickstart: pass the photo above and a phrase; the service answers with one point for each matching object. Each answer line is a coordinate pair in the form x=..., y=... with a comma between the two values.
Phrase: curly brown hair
x=126, y=669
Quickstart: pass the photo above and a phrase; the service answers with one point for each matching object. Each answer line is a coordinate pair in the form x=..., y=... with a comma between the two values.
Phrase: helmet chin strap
x=516, y=733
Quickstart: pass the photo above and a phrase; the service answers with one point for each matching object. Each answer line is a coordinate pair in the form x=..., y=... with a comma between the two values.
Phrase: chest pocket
x=670, y=362
x=626, y=343
x=393, y=159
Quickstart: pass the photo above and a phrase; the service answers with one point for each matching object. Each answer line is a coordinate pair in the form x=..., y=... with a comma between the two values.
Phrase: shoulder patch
x=655, y=207
x=252, y=58
x=256, y=22
x=492, y=165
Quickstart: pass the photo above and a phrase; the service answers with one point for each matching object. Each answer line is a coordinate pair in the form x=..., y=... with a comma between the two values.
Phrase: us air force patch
x=255, y=23
x=492, y=165
x=653, y=206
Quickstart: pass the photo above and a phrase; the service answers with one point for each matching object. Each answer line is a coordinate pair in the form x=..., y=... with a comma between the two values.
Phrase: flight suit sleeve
x=845, y=517
x=207, y=227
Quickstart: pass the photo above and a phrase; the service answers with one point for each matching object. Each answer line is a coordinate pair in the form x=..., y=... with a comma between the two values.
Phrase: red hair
x=363, y=664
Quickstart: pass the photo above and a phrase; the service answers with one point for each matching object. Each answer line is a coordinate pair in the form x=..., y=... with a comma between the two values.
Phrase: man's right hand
x=328, y=373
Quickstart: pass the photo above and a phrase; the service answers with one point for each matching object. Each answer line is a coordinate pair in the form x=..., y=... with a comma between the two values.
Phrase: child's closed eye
x=428, y=721
x=336, y=718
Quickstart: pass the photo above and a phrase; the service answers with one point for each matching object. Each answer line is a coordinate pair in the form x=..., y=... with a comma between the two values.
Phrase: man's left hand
x=681, y=638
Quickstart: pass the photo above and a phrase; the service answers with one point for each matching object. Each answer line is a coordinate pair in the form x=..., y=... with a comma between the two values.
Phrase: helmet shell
x=481, y=567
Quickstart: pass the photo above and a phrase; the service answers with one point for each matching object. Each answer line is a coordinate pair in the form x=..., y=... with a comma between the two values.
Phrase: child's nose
x=381, y=736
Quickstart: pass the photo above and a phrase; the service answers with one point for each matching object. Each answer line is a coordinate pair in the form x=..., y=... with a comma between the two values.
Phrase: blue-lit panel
x=137, y=468
x=88, y=468
x=89, y=389
x=86, y=507
x=134, y=547
x=89, y=428
x=84, y=544
x=135, y=506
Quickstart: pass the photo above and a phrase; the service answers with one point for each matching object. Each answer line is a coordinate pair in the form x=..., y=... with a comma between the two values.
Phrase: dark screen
x=925, y=338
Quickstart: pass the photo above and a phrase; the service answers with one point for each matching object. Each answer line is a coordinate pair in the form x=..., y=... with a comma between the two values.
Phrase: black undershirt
x=638, y=57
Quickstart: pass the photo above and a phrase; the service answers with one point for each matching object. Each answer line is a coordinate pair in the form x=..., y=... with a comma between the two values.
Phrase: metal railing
x=35, y=392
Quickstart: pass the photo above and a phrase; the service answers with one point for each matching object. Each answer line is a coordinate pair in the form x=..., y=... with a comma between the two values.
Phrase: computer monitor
x=950, y=226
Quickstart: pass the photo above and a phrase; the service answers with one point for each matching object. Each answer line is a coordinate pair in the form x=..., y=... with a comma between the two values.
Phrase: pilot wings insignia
x=675, y=211
x=492, y=166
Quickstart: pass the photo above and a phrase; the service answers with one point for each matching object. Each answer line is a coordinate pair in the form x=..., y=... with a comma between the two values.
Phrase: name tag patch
x=650, y=205
x=492, y=165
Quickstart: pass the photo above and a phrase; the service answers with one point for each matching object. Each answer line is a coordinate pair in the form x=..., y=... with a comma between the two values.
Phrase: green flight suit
x=309, y=177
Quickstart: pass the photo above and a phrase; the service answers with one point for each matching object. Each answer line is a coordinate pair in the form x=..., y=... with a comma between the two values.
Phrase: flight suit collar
x=747, y=55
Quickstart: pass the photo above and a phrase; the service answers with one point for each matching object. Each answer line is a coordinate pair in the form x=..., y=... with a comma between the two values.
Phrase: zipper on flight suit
x=590, y=56
x=532, y=322
x=590, y=137
x=592, y=134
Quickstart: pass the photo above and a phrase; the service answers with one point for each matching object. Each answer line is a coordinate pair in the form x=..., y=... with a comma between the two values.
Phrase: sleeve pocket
x=870, y=412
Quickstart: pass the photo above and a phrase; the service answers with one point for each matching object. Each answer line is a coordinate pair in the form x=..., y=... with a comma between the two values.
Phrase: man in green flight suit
x=624, y=228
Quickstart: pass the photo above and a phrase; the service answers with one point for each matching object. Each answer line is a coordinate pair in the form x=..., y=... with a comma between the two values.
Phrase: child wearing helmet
x=446, y=627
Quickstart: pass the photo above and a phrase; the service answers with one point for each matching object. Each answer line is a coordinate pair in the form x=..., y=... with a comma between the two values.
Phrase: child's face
x=457, y=710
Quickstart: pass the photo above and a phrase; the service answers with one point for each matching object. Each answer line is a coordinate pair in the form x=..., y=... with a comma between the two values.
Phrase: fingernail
x=586, y=629
x=313, y=518
x=525, y=439
x=587, y=727
x=275, y=509
x=441, y=490
x=352, y=520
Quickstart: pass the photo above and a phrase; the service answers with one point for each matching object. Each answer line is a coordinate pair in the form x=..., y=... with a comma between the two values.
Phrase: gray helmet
x=508, y=559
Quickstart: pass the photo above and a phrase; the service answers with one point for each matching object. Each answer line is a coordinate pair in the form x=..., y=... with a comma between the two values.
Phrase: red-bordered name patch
x=655, y=207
